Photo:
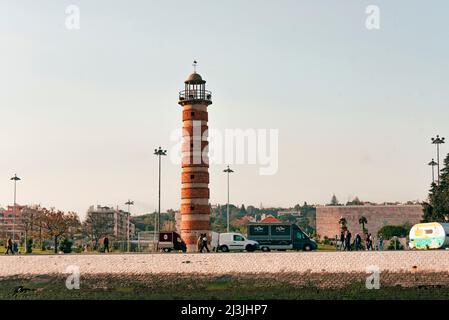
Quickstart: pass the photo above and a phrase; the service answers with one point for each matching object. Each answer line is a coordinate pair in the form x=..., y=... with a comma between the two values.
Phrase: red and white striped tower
x=195, y=211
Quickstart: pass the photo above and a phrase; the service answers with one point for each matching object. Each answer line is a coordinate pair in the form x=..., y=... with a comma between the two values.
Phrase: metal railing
x=189, y=95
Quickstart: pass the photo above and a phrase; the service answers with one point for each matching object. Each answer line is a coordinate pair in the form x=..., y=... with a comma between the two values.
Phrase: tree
x=334, y=201
x=97, y=226
x=343, y=224
x=388, y=232
x=437, y=207
x=242, y=210
x=30, y=215
x=363, y=221
x=355, y=202
x=58, y=223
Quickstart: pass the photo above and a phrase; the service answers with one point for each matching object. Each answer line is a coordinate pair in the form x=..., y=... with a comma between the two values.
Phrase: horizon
x=354, y=109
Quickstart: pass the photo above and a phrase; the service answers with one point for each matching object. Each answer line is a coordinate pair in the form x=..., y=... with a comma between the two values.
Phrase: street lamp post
x=438, y=141
x=228, y=171
x=15, y=179
x=433, y=164
x=159, y=152
x=129, y=203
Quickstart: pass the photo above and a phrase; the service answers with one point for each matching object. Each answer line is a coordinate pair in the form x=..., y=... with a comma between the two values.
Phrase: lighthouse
x=195, y=210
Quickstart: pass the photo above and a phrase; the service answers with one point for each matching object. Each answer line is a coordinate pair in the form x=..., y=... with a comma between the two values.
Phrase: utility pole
x=438, y=141
x=129, y=203
x=15, y=179
x=433, y=164
x=228, y=171
x=159, y=152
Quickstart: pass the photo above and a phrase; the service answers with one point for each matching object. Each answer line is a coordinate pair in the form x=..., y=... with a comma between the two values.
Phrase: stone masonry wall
x=378, y=216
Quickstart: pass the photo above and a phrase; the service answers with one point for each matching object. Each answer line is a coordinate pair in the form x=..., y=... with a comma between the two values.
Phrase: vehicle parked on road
x=280, y=236
x=232, y=241
x=432, y=235
x=171, y=241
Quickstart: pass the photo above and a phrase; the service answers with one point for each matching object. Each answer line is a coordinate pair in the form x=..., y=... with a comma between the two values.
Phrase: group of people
x=347, y=245
x=202, y=242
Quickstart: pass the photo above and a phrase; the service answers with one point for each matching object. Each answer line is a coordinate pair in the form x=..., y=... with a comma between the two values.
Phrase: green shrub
x=65, y=245
x=388, y=232
x=398, y=245
x=29, y=248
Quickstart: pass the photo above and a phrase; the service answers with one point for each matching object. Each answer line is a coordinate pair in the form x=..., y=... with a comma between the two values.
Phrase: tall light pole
x=228, y=171
x=15, y=179
x=159, y=152
x=438, y=141
x=433, y=164
x=129, y=203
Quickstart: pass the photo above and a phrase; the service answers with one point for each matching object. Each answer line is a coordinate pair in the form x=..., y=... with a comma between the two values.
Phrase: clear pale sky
x=82, y=111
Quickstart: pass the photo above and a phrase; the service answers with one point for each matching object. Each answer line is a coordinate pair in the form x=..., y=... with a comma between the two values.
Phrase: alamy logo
x=72, y=21
x=373, y=280
x=372, y=22
x=73, y=280
x=233, y=146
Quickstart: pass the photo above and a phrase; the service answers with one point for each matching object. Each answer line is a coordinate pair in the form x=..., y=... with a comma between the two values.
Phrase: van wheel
x=250, y=248
x=307, y=247
x=166, y=250
x=265, y=249
x=224, y=249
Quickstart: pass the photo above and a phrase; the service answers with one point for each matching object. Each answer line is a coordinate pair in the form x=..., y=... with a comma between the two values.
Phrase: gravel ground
x=227, y=263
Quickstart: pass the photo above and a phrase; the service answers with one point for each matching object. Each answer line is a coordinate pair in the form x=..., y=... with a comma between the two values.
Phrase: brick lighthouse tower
x=195, y=211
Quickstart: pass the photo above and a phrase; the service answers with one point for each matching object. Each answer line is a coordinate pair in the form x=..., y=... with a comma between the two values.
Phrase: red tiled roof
x=270, y=219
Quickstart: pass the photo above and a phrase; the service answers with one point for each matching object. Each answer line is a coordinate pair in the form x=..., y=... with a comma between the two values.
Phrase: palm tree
x=343, y=224
x=363, y=221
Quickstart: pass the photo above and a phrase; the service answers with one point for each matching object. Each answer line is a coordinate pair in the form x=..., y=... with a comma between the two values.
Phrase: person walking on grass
x=106, y=244
x=9, y=247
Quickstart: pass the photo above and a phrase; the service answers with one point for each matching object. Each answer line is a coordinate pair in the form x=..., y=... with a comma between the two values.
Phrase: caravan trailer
x=432, y=235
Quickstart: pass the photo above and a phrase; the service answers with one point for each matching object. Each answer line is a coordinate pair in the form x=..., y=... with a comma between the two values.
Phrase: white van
x=232, y=241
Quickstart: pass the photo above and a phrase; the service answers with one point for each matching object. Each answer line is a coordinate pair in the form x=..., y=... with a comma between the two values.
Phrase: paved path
x=227, y=263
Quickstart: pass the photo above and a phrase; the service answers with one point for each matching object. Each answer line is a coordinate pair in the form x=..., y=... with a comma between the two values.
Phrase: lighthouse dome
x=195, y=78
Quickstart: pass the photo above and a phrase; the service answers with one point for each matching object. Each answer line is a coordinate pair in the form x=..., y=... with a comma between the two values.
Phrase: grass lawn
x=192, y=288
x=35, y=250
x=326, y=247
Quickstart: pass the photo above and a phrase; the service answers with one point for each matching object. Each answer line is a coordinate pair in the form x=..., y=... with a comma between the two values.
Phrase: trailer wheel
x=265, y=249
x=250, y=248
x=224, y=249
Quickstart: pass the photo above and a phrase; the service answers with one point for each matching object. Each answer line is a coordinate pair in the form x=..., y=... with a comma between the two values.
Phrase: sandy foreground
x=227, y=263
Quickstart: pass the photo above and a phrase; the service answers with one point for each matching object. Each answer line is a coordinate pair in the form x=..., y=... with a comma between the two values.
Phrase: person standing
x=9, y=247
x=358, y=242
x=381, y=243
x=199, y=242
x=348, y=241
x=204, y=243
x=367, y=241
x=342, y=241
x=106, y=244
